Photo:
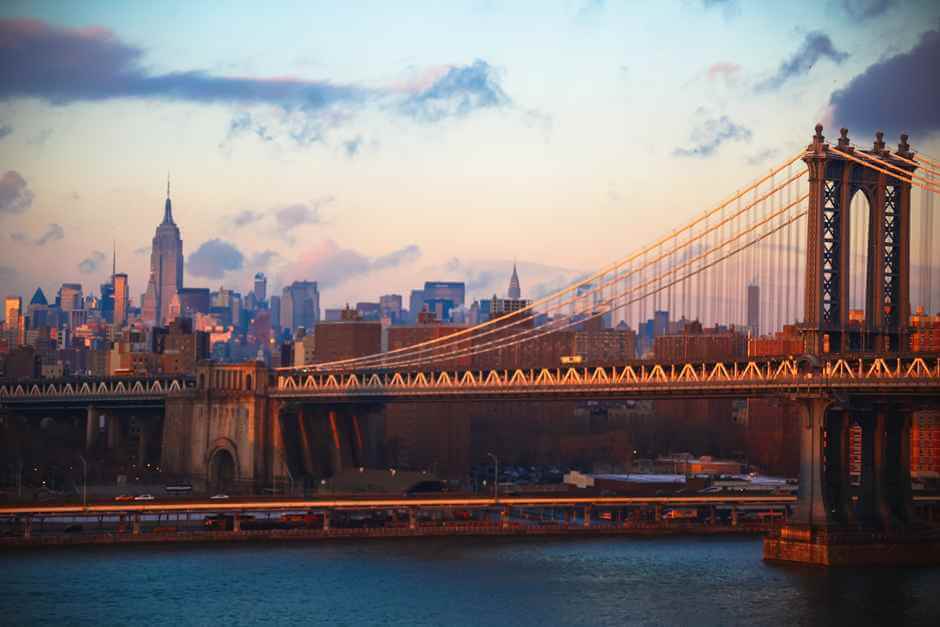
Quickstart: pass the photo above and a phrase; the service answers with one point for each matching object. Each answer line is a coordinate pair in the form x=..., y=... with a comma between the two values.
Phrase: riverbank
x=278, y=535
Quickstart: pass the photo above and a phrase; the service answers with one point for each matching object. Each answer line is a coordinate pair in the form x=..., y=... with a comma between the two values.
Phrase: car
x=218, y=497
x=144, y=497
x=124, y=497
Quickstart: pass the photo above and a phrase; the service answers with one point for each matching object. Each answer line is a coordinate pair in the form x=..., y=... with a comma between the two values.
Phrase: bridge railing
x=110, y=387
x=770, y=371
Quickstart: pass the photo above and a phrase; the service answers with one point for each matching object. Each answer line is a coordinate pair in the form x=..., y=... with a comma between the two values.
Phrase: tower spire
x=168, y=207
x=113, y=260
x=514, y=292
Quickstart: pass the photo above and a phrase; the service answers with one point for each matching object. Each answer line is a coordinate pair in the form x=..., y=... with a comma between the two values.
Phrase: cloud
x=712, y=134
x=724, y=71
x=330, y=265
x=862, y=10
x=394, y=259
x=143, y=250
x=458, y=92
x=5, y=129
x=298, y=214
x=63, y=65
x=901, y=91
x=92, y=263
x=53, y=234
x=352, y=146
x=66, y=65
x=243, y=123
x=19, y=237
x=15, y=195
x=815, y=46
x=762, y=156
x=214, y=258
x=246, y=217
x=262, y=259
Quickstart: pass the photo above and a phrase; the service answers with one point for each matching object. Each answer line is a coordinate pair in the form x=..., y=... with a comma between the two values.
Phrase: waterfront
x=449, y=581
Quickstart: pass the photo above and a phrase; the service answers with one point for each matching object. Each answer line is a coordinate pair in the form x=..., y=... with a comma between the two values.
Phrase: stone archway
x=223, y=471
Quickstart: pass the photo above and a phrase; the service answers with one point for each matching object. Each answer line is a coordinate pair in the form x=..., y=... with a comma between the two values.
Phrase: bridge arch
x=222, y=472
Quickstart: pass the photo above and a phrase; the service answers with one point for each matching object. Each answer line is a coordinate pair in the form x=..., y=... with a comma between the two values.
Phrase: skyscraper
x=753, y=309
x=12, y=306
x=300, y=305
x=38, y=309
x=166, y=267
x=514, y=292
x=261, y=287
x=120, y=299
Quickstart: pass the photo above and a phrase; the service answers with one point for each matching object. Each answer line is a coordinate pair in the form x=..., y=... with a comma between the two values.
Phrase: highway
x=236, y=505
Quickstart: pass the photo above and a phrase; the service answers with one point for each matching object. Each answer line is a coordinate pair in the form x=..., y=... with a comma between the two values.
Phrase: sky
x=373, y=146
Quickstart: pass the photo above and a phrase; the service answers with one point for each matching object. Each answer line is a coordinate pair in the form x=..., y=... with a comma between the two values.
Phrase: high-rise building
x=166, y=266
x=38, y=309
x=454, y=291
x=275, y=311
x=514, y=292
x=390, y=307
x=12, y=306
x=441, y=297
x=70, y=297
x=300, y=305
x=415, y=304
x=120, y=299
x=261, y=287
x=753, y=309
x=369, y=311
x=14, y=320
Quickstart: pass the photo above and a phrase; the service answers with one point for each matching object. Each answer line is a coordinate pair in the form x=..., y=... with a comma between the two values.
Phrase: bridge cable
x=573, y=287
x=383, y=357
x=503, y=343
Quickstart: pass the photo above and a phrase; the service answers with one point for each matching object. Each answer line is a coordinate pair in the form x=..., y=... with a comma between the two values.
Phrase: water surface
x=455, y=581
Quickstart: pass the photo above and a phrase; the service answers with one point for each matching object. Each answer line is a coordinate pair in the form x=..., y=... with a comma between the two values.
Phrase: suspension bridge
x=826, y=238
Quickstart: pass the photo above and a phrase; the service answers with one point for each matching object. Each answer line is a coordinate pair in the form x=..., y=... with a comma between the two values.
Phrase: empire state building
x=166, y=268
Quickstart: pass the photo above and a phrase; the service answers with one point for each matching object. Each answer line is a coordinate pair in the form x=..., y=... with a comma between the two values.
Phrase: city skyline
x=415, y=144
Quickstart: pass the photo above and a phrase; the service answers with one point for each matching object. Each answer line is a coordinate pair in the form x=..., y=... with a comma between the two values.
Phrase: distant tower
x=514, y=292
x=166, y=264
x=753, y=309
x=261, y=287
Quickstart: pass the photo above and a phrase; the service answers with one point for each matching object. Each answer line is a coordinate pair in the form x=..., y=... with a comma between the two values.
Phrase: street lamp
x=495, y=476
x=84, y=481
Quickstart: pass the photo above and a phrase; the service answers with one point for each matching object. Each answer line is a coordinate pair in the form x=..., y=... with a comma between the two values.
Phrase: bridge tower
x=834, y=180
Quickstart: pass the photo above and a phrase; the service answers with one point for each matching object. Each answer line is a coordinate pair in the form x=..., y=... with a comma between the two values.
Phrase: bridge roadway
x=470, y=502
x=909, y=376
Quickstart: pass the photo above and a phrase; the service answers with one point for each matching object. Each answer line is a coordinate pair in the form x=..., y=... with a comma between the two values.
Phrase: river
x=454, y=581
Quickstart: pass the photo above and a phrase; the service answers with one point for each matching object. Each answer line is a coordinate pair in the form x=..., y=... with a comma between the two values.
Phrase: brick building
x=347, y=338
x=700, y=345
x=925, y=442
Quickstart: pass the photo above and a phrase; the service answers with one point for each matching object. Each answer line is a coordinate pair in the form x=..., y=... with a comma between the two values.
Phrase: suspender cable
x=432, y=345
x=648, y=286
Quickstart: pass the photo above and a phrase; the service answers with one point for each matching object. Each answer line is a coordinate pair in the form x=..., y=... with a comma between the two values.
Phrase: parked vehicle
x=178, y=488
x=145, y=497
x=218, y=497
x=124, y=497
x=681, y=514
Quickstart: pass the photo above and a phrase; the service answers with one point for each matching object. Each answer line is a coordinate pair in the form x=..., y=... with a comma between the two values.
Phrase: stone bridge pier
x=223, y=434
x=321, y=441
x=855, y=504
x=227, y=434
